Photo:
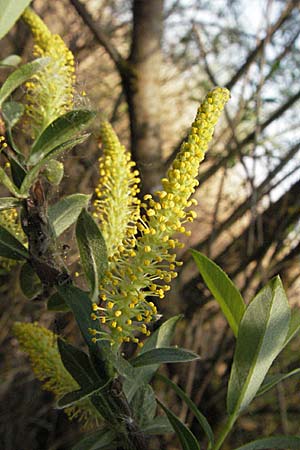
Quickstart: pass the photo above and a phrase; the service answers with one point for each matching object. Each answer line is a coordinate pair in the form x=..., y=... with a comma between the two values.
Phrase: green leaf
x=8, y=203
x=34, y=172
x=284, y=442
x=18, y=172
x=143, y=405
x=10, y=12
x=92, y=249
x=10, y=247
x=30, y=283
x=57, y=303
x=78, y=364
x=6, y=181
x=222, y=288
x=20, y=75
x=99, y=440
x=74, y=397
x=158, y=425
x=12, y=112
x=185, y=436
x=66, y=127
x=80, y=303
x=262, y=332
x=66, y=211
x=294, y=326
x=198, y=415
x=164, y=355
x=160, y=338
x=11, y=61
x=273, y=380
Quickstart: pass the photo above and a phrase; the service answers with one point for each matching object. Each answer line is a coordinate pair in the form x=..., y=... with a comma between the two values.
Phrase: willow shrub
x=127, y=255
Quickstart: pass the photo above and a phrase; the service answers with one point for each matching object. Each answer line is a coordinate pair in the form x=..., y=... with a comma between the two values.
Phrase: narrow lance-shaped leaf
x=160, y=338
x=273, y=380
x=77, y=364
x=99, y=440
x=164, y=355
x=12, y=113
x=6, y=181
x=294, y=327
x=66, y=127
x=80, y=303
x=198, y=415
x=92, y=251
x=185, y=436
x=20, y=75
x=66, y=211
x=74, y=397
x=222, y=288
x=262, y=332
x=10, y=247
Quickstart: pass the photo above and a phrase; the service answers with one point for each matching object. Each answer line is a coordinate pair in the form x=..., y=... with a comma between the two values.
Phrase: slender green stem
x=225, y=431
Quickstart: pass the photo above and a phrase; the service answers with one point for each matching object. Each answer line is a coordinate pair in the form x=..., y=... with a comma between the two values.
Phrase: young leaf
x=222, y=288
x=8, y=203
x=77, y=364
x=262, y=332
x=57, y=303
x=74, y=397
x=185, y=436
x=10, y=12
x=6, y=181
x=198, y=415
x=164, y=355
x=99, y=440
x=10, y=247
x=284, y=442
x=12, y=112
x=92, y=251
x=30, y=283
x=158, y=425
x=273, y=380
x=34, y=172
x=11, y=61
x=66, y=127
x=143, y=405
x=66, y=211
x=160, y=338
x=20, y=75
x=80, y=303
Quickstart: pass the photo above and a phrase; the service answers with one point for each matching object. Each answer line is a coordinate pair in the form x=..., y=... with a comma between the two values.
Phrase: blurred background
x=145, y=65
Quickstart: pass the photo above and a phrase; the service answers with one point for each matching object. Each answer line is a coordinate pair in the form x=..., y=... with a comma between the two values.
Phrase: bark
x=140, y=75
x=143, y=91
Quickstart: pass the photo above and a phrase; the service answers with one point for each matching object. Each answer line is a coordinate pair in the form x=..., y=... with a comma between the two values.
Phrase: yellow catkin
x=50, y=91
x=116, y=207
x=41, y=346
x=132, y=279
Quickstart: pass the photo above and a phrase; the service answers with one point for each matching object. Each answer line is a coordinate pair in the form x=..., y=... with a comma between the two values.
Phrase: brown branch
x=252, y=55
x=100, y=36
x=261, y=190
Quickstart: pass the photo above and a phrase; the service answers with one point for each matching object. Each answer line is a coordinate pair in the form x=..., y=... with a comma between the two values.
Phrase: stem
x=226, y=430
